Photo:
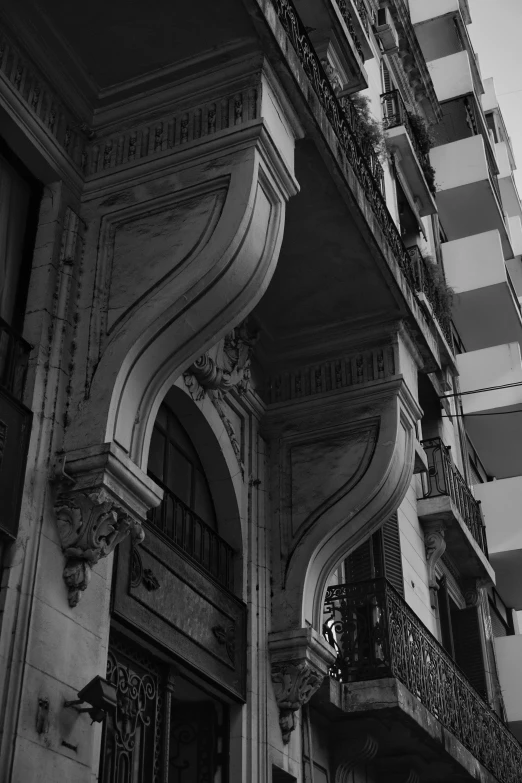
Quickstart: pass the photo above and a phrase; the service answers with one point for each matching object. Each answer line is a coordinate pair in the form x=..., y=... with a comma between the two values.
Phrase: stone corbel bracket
x=435, y=545
x=300, y=660
x=100, y=497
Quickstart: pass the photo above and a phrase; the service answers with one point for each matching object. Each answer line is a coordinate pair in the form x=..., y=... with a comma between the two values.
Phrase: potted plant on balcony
x=369, y=130
x=425, y=140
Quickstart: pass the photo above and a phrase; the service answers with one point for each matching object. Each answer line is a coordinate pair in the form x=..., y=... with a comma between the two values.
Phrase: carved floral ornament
x=294, y=685
x=224, y=368
x=90, y=527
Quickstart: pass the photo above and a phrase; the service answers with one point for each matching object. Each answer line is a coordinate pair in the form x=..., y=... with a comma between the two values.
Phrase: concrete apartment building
x=260, y=396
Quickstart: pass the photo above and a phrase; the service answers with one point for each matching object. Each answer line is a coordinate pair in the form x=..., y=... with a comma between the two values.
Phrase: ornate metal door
x=152, y=737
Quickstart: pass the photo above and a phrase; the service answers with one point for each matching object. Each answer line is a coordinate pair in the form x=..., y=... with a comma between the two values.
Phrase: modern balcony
x=339, y=31
x=468, y=194
x=485, y=307
x=491, y=389
x=189, y=533
x=501, y=502
x=428, y=291
x=413, y=159
x=434, y=10
x=15, y=426
x=395, y=681
x=447, y=498
x=506, y=181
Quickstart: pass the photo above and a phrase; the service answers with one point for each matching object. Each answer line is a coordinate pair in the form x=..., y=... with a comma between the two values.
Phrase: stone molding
x=344, y=372
x=300, y=660
x=100, y=499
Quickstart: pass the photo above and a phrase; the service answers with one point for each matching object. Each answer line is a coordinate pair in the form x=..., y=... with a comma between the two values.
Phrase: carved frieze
x=90, y=528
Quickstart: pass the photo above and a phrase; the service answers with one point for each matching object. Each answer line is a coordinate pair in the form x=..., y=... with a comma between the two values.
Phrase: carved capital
x=435, y=544
x=300, y=662
x=100, y=498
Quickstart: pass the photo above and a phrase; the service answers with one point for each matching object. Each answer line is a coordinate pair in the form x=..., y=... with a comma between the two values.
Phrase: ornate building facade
x=260, y=394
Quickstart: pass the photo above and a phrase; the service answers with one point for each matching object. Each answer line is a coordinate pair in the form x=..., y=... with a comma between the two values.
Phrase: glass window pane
x=178, y=474
x=203, y=505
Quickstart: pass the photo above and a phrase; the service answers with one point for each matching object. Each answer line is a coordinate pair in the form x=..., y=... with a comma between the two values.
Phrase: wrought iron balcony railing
x=395, y=114
x=444, y=478
x=348, y=18
x=191, y=534
x=345, y=124
x=14, y=360
x=377, y=635
x=424, y=282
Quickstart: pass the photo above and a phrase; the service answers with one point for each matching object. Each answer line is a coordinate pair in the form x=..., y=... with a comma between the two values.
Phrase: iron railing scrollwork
x=181, y=525
x=444, y=478
x=14, y=360
x=377, y=635
x=348, y=18
x=344, y=121
x=425, y=283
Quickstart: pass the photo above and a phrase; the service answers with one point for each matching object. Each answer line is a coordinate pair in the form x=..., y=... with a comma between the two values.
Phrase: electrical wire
x=480, y=391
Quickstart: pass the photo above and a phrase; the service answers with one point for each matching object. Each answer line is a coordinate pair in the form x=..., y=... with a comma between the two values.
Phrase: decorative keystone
x=101, y=497
x=300, y=661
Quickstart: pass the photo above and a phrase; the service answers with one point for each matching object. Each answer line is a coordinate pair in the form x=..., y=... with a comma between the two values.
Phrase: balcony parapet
x=377, y=636
x=445, y=479
x=425, y=283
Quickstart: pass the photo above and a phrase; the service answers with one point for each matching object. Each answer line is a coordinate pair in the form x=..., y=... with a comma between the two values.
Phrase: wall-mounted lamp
x=100, y=694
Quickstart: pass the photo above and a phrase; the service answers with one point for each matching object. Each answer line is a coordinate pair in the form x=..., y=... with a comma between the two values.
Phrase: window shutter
x=392, y=553
x=386, y=79
x=358, y=565
x=469, y=653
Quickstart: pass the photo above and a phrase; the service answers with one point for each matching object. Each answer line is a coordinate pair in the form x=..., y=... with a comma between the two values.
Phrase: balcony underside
x=508, y=567
x=408, y=735
x=399, y=141
x=460, y=544
x=472, y=209
x=487, y=316
x=497, y=436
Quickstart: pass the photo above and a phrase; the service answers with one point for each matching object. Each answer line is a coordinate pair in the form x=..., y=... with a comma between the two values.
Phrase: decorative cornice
x=346, y=371
x=300, y=660
x=17, y=71
x=172, y=131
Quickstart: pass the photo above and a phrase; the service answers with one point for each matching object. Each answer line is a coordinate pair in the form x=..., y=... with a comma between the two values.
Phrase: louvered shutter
x=391, y=544
x=386, y=79
x=469, y=653
x=358, y=565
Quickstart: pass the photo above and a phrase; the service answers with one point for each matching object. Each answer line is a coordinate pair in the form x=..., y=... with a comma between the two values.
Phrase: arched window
x=175, y=464
x=186, y=516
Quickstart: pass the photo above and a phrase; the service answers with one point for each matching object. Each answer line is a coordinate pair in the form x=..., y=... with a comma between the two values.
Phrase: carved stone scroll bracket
x=223, y=368
x=359, y=751
x=101, y=497
x=300, y=661
x=435, y=543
